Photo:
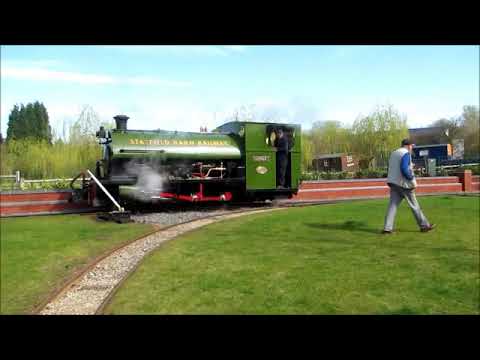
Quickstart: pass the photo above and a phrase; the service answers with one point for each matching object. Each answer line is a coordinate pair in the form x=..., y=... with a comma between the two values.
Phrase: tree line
x=371, y=138
x=30, y=121
x=465, y=126
x=34, y=148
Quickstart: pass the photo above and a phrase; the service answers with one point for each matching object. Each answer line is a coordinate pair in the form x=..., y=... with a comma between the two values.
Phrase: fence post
x=465, y=177
x=17, y=177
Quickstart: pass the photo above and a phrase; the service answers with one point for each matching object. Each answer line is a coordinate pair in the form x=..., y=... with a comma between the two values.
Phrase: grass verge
x=327, y=259
x=39, y=253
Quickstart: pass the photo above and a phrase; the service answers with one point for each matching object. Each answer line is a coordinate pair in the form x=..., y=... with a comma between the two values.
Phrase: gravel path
x=86, y=294
x=176, y=216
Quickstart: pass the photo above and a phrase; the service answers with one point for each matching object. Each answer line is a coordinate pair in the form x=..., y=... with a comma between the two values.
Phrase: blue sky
x=185, y=87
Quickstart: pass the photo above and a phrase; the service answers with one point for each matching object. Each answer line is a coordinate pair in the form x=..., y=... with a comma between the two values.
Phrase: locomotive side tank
x=235, y=161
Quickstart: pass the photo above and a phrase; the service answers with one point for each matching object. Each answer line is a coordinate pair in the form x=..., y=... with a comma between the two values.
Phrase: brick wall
x=47, y=202
x=370, y=188
x=475, y=183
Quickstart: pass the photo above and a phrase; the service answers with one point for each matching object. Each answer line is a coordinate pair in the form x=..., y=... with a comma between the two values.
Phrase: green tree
x=44, y=130
x=307, y=150
x=452, y=129
x=376, y=135
x=29, y=121
x=471, y=125
x=13, y=128
x=464, y=127
x=84, y=128
x=330, y=137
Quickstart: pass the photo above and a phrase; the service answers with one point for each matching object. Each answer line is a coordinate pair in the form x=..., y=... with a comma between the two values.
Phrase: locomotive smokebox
x=121, y=121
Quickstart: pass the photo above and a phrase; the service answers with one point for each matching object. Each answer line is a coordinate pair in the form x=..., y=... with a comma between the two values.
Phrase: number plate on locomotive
x=261, y=158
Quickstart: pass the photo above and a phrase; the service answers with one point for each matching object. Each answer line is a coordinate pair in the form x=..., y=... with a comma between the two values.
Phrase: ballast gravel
x=87, y=293
x=167, y=218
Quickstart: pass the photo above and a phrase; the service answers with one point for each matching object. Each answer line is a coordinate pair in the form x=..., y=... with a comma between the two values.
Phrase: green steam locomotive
x=236, y=161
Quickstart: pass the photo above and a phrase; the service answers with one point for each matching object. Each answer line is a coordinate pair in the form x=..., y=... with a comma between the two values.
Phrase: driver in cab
x=281, y=143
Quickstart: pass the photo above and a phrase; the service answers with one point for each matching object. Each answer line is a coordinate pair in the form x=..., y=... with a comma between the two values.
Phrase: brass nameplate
x=170, y=142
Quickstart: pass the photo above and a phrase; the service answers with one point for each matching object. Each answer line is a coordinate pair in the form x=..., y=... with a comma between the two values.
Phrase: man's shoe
x=428, y=228
x=387, y=232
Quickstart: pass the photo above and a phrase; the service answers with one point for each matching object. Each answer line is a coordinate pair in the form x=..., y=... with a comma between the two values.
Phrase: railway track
x=61, y=202
x=88, y=292
x=20, y=203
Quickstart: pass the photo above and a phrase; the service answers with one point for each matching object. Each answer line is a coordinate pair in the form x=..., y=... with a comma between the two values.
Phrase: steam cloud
x=149, y=181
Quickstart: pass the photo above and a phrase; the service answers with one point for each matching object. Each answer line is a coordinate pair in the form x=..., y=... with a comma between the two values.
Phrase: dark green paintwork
x=296, y=163
x=174, y=145
x=256, y=146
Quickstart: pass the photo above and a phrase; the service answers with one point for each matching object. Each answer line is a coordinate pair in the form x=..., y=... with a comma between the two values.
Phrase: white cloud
x=172, y=115
x=344, y=51
x=182, y=50
x=146, y=80
x=34, y=63
x=424, y=113
x=235, y=48
x=297, y=110
x=188, y=115
x=43, y=74
x=39, y=74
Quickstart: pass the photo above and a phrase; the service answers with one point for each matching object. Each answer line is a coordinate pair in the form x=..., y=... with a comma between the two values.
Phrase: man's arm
x=405, y=167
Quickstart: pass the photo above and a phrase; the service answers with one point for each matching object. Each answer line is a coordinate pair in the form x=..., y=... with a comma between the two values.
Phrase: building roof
x=431, y=145
x=432, y=130
x=328, y=156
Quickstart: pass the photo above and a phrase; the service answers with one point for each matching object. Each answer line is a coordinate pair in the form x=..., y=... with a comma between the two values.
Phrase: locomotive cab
x=271, y=139
x=261, y=159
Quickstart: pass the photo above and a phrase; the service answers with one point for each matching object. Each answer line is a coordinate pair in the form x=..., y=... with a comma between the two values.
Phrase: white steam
x=149, y=181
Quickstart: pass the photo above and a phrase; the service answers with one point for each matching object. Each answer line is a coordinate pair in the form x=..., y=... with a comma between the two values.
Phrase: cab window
x=271, y=134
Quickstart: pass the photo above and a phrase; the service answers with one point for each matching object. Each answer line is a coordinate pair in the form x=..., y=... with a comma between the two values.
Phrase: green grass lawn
x=39, y=253
x=327, y=259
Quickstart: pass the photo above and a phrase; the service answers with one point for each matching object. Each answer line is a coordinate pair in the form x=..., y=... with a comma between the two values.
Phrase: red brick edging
x=368, y=188
x=58, y=201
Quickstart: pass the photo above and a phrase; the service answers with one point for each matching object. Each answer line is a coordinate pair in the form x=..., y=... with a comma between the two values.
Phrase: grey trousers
x=397, y=194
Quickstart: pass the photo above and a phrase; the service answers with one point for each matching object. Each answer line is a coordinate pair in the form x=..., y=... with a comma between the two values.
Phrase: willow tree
x=375, y=136
x=471, y=125
x=307, y=150
x=330, y=137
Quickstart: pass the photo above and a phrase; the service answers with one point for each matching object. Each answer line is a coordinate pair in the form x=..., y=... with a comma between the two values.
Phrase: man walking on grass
x=402, y=185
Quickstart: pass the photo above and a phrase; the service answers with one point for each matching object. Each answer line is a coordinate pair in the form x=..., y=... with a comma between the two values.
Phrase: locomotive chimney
x=121, y=121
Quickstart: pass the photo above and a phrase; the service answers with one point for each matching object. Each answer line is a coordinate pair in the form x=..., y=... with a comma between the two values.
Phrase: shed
x=433, y=151
x=335, y=162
